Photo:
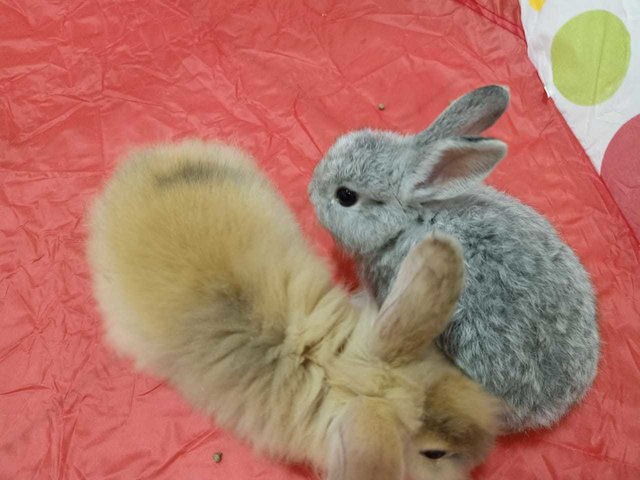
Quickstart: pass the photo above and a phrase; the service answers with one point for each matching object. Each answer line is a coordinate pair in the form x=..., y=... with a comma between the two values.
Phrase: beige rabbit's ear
x=365, y=444
x=421, y=301
x=459, y=417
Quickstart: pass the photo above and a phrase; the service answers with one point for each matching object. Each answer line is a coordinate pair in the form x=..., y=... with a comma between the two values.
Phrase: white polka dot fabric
x=587, y=53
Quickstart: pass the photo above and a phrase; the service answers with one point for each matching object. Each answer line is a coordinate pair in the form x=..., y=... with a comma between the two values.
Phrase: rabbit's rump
x=163, y=253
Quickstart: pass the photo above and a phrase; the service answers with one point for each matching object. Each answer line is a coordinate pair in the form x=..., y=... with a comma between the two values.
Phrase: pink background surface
x=82, y=82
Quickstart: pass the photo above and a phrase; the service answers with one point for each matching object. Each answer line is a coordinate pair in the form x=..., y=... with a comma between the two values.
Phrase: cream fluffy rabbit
x=203, y=277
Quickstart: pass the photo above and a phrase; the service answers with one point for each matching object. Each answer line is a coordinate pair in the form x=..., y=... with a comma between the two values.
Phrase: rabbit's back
x=203, y=276
x=180, y=226
x=526, y=325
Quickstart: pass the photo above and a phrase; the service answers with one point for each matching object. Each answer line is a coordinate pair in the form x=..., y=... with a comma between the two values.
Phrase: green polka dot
x=590, y=57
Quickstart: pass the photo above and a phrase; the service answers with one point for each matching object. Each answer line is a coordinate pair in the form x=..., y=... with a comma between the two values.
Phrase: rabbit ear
x=470, y=114
x=421, y=301
x=365, y=443
x=460, y=417
x=445, y=168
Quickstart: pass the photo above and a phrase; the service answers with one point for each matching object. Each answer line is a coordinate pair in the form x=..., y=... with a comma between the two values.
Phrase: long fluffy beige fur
x=203, y=276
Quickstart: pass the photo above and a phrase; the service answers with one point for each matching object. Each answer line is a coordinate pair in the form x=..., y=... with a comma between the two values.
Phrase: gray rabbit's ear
x=421, y=302
x=470, y=114
x=447, y=167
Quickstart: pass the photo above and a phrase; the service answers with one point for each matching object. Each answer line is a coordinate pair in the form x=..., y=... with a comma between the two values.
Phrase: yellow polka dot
x=537, y=4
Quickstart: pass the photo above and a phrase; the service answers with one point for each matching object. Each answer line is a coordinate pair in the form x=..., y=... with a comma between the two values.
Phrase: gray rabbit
x=526, y=324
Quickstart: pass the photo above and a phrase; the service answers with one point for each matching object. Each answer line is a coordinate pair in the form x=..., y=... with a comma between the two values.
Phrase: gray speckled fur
x=526, y=325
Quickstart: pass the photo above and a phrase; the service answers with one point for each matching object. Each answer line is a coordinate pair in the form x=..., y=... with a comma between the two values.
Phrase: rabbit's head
x=420, y=417
x=369, y=183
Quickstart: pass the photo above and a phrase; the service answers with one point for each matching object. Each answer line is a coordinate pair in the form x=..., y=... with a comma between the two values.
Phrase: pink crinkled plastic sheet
x=81, y=82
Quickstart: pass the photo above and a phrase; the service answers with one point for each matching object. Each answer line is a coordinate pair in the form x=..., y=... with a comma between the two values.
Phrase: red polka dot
x=621, y=171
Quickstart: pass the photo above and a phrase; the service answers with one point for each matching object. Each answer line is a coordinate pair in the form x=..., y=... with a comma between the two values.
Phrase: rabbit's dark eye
x=433, y=454
x=346, y=197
